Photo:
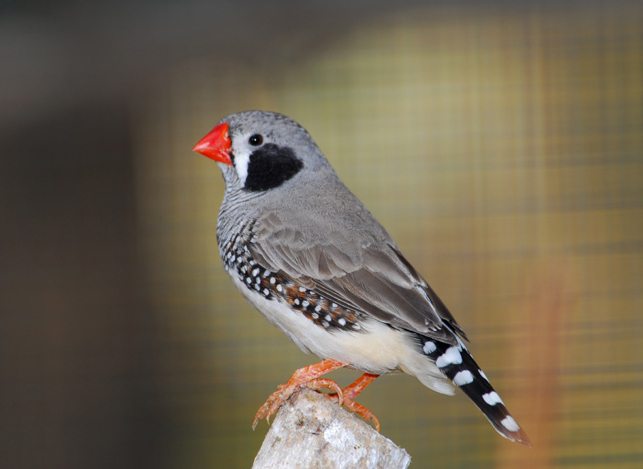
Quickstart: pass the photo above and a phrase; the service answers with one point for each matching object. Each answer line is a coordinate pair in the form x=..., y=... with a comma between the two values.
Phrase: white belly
x=376, y=348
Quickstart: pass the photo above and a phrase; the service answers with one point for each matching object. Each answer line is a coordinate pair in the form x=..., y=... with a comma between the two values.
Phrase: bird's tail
x=458, y=365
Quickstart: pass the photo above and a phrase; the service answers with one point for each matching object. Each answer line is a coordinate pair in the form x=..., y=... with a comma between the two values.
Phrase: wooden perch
x=310, y=431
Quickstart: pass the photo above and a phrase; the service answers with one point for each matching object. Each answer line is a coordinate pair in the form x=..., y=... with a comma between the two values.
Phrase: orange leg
x=353, y=390
x=356, y=387
x=363, y=412
x=307, y=376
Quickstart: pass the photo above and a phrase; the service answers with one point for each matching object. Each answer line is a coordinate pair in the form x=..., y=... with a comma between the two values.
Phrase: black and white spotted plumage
x=238, y=262
x=309, y=256
x=458, y=365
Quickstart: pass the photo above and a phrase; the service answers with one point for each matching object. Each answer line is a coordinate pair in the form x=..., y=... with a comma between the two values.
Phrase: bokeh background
x=501, y=143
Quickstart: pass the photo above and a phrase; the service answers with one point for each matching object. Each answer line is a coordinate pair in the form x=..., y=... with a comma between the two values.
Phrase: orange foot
x=353, y=390
x=307, y=376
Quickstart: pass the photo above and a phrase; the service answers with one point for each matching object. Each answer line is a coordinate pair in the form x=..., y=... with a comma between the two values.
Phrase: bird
x=304, y=251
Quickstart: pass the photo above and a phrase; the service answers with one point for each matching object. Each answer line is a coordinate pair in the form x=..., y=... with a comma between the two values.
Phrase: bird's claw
x=284, y=391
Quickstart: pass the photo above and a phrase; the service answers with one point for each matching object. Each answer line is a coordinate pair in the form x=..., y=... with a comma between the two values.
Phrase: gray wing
x=370, y=276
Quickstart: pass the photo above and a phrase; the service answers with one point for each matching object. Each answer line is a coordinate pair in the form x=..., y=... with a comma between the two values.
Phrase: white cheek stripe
x=241, y=161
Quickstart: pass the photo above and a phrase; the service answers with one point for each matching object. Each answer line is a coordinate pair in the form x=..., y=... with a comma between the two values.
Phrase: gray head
x=258, y=151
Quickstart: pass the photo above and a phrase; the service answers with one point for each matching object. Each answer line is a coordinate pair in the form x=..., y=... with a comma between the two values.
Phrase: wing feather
x=376, y=281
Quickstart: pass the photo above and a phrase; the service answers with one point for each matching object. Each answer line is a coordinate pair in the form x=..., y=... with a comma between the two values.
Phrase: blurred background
x=501, y=144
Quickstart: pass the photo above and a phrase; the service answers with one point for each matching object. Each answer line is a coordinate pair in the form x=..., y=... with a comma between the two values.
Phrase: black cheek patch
x=270, y=166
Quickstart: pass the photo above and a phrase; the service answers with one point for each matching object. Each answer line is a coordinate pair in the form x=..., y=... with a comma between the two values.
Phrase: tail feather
x=458, y=365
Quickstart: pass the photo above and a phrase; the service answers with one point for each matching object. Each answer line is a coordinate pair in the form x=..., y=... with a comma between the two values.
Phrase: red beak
x=216, y=144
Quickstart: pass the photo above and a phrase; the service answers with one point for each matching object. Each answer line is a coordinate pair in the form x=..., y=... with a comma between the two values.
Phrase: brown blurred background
x=501, y=143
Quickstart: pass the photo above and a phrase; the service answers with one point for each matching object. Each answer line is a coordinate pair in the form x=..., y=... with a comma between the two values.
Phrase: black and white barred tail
x=460, y=367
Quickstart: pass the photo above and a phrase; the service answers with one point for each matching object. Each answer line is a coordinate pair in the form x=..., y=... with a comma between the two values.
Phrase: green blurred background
x=501, y=144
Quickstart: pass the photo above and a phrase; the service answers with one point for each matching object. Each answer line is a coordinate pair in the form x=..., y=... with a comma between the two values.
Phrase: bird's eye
x=255, y=140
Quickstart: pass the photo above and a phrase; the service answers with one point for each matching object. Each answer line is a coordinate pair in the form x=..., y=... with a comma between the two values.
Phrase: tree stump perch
x=310, y=431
